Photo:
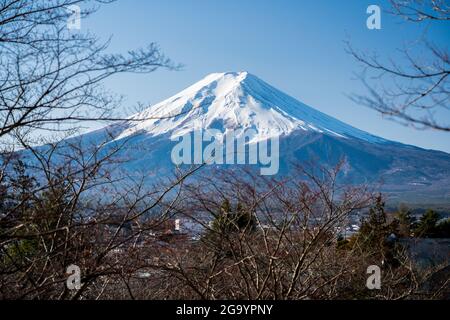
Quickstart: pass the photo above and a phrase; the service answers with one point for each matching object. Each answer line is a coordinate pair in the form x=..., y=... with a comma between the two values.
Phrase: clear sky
x=295, y=45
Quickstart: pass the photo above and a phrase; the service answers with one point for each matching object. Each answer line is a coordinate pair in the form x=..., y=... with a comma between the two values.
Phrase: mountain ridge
x=239, y=100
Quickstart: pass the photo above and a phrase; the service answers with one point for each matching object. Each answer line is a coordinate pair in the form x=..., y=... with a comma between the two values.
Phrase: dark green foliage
x=17, y=208
x=33, y=221
x=404, y=221
x=234, y=220
x=374, y=230
x=374, y=236
x=228, y=223
x=427, y=225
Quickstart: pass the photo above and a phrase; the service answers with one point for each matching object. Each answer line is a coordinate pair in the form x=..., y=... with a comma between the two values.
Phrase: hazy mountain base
x=239, y=100
x=404, y=173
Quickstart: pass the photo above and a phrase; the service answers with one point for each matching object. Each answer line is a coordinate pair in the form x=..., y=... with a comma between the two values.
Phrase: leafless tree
x=257, y=238
x=65, y=202
x=51, y=76
x=51, y=214
x=413, y=91
x=276, y=239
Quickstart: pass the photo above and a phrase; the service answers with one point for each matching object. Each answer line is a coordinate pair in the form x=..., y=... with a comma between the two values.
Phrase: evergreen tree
x=373, y=231
x=404, y=220
x=18, y=202
x=22, y=186
x=373, y=236
x=228, y=222
x=427, y=226
x=234, y=220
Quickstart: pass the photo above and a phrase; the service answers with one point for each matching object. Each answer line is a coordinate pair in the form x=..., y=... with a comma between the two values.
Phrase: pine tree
x=228, y=222
x=373, y=231
x=405, y=221
x=234, y=220
x=426, y=228
x=18, y=202
x=373, y=235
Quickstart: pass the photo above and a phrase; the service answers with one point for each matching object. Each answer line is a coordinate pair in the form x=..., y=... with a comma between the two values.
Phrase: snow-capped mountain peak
x=236, y=100
x=240, y=100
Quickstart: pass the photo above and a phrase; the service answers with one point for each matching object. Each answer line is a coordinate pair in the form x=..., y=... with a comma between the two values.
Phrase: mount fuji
x=240, y=100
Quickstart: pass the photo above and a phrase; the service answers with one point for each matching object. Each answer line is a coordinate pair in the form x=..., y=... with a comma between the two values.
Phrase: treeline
x=262, y=239
x=429, y=225
x=380, y=231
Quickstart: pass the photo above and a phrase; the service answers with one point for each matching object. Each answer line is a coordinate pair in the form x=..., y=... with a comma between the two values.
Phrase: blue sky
x=295, y=45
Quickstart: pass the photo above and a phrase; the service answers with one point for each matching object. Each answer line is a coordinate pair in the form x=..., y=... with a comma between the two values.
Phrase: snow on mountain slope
x=230, y=101
x=237, y=100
